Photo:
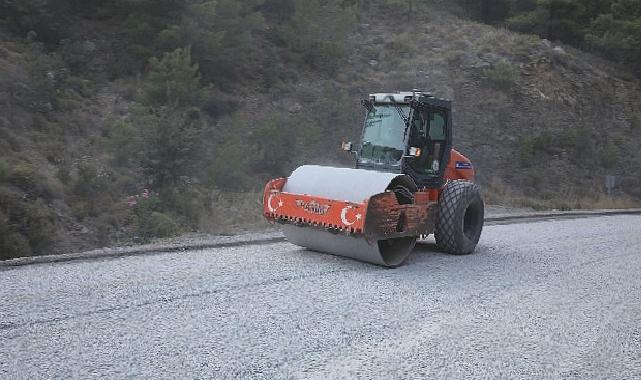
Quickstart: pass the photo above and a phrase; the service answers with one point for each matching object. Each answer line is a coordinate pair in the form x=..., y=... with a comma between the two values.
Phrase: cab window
x=428, y=134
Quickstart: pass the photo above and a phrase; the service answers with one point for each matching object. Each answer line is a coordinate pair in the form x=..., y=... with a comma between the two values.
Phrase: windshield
x=383, y=135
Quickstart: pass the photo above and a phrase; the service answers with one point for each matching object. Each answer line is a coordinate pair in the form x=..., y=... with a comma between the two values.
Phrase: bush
x=4, y=171
x=635, y=121
x=78, y=55
x=273, y=146
x=122, y=142
x=26, y=228
x=526, y=151
x=502, y=76
x=219, y=104
x=158, y=225
x=23, y=175
x=609, y=155
x=47, y=75
x=12, y=244
x=150, y=221
x=545, y=143
x=230, y=166
x=318, y=32
x=187, y=203
x=80, y=209
x=223, y=36
x=45, y=19
x=39, y=226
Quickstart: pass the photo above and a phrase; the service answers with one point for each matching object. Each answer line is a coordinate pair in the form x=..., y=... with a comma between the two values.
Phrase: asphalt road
x=552, y=299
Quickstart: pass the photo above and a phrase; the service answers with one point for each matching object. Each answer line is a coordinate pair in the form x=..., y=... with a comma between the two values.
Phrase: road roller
x=408, y=182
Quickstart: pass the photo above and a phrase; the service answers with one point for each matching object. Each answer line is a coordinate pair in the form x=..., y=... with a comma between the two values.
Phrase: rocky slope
x=543, y=123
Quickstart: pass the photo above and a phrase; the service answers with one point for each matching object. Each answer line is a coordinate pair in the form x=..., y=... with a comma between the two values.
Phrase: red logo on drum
x=313, y=207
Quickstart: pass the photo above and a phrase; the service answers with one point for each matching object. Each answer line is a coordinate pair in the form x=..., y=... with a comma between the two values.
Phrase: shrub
x=80, y=209
x=526, y=151
x=152, y=224
x=48, y=75
x=23, y=175
x=318, y=32
x=187, y=202
x=150, y=220
x=584, y=149
x=219, y=104
x=122, y=142
x=78, y=55
x=635, y=121
x=609, y=155
x=229, y=168
x=273, y=146
x=4, y=171
x=106, y=225
x=63, y=173
x=45, y=19
x=34, y=222
x=169, y=39
x=12, y=244
x=502, y=76
x=125, y=184
x=223, y=36
x=543, y=143
x=159, y=225
x=25, y=227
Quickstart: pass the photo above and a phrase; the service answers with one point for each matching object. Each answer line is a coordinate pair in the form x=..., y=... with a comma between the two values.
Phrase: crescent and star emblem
x=345, y=219
x=270, y=206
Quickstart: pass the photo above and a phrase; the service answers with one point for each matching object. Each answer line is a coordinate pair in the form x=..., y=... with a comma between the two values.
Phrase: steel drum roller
x=352, y=185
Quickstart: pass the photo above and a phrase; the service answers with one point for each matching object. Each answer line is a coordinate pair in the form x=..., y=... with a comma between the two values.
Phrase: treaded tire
x=460, y=217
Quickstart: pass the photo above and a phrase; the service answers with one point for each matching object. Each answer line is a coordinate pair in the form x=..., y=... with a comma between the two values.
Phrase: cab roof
x=405, y=97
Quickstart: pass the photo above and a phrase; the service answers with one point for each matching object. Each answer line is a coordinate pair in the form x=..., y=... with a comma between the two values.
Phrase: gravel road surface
x=551, y=299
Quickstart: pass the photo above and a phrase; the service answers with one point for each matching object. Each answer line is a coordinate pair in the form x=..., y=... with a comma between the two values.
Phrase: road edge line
x=107, y=253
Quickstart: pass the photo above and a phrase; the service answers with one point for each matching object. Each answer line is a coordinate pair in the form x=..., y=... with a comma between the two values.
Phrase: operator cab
x=407, y=132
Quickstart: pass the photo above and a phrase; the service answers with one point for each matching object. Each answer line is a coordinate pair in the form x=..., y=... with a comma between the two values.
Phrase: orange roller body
x=406, y=173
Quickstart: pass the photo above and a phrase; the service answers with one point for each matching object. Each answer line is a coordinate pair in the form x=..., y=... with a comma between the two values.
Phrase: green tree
x=278, y=10
x=618, y=34
x=223, y=35
x=553, y=19
x=169, y=142
x=173, y=81
x=487, y=11
x=167, y=123
x=318, y=32
x=273, y=146
x=46, y=18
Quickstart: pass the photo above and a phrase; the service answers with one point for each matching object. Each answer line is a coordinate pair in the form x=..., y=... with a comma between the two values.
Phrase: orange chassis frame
x=380, y=217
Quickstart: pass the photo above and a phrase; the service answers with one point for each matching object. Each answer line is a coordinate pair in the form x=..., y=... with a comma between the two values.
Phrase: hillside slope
x=543, y=124
x=547, y=120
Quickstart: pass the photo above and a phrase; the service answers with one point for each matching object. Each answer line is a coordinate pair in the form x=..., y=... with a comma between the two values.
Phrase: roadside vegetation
x=611, y=28
x=125, y=120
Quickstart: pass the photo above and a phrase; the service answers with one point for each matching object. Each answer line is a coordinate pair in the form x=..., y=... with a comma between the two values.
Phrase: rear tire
x=460, y=218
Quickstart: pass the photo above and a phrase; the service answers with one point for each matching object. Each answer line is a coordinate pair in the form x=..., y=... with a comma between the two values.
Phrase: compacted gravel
x=551, y=299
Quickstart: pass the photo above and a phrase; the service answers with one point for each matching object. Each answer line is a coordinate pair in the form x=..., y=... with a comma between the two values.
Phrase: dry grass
x=231, y=213
x=498, y=193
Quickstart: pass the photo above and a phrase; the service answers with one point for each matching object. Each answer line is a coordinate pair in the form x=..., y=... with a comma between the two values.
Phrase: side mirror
x=347, y=146
x=414, y=152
